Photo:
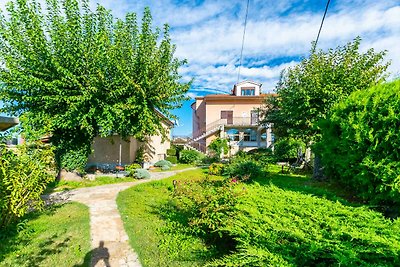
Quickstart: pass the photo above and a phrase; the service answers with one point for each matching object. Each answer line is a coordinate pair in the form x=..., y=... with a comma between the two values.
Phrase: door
x=228, y=115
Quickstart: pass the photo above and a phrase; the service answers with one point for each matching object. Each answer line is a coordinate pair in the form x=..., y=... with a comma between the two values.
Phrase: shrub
x=171, y=152
x=360, y=146
x=244, y=168
x=190, y=156
x=24, y=175
x=162, y=163
x=216, y=169
x=209, y=160
x=131, y=168
x=268, y=226
x=172, y=159
x=165, y=168
x=200, y=201
x=286, y=149
x=263, y=156
x=141, y=174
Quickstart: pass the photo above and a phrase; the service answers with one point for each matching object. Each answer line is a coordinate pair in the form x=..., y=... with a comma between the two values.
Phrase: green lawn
x=162, y=237
x=101, y=180
x=58, y=236
x=148, y=231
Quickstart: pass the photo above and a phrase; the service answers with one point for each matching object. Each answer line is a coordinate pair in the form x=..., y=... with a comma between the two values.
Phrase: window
x=263, y=137
x=228, y=115
x=248, y=91
x=254, y=117
x=250, y=135
x=233, y=134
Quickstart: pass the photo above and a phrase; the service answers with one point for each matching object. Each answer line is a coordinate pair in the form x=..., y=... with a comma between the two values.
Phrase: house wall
x=156, y=148
x=214, y=108
x=106, y=151
x=199, y=116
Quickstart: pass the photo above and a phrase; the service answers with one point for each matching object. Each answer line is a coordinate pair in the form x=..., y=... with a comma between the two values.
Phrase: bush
x=190, y=156
x=172, y=159
x=360, y=146
x=141, y=174
x=268, y=226
x=24, y=175
x=286, y=149
x=263, y=156
x=244, y=168
x=171, y=152
x=165, y=168
x=208, y=160
x=162, y=163
x=216, y=169
x=131, y=168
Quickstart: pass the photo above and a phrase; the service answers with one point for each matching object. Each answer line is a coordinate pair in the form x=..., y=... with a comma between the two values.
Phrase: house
x=234, y=116
x=7, y=123
x=111, y=151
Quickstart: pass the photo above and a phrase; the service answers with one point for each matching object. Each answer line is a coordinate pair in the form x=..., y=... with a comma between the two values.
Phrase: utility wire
x=244, y=34
x=320, y=27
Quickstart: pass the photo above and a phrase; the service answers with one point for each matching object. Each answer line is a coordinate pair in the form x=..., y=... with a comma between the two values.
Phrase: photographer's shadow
x=95, y=255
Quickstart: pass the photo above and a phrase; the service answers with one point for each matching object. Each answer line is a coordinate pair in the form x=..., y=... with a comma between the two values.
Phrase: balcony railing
x=230, y=122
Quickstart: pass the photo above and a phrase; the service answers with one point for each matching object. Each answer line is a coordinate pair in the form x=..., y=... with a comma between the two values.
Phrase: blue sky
x=208, y=34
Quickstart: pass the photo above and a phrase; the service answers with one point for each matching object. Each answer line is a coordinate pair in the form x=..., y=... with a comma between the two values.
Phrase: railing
x=235, y=121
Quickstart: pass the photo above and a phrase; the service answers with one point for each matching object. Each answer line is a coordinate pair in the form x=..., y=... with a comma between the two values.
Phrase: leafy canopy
x=307, y=91
x=75, y=73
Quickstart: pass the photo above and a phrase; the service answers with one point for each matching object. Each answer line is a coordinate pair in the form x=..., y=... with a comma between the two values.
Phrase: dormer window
x=248, y=91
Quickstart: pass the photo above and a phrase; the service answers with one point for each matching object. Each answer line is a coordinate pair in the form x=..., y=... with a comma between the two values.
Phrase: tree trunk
x=318, y=173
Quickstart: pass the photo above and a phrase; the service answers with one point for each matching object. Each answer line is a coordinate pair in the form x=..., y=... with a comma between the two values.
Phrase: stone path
x=108, y=238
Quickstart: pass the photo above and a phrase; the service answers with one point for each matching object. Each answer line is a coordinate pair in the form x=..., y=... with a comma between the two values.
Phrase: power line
x=244, y=34
x=320, y=27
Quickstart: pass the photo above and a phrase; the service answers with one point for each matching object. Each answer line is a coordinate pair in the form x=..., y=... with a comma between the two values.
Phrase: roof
x=226, y=96
x=248, y=81
x=7, y=123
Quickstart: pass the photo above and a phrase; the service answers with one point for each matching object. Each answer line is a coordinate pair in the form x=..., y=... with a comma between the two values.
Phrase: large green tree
x=75, y=73
x=307, y=91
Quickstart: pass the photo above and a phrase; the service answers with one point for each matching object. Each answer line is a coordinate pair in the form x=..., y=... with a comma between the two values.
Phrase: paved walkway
x=108, y=238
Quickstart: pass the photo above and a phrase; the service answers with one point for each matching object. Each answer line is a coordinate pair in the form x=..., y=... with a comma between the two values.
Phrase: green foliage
x=216, y=169
x=172, y=159
x=219, y=145
x=361, y=143
x=276, y=227
x=244, y=168
x=162, y=163
x=268, y=226
x=140, y=154
x=307, y=91
x=208, y=160
x=171, y=152
x=74, y=73
x=263, y=156
x=165, y=168
x=190, y=156
x=141, y=174
x=57, y=236
x=24, y=175
x=287, y=149
x=132, y=167
x=206, y=205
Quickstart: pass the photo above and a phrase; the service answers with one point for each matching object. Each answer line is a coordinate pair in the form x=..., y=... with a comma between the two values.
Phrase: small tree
x=219, y=146
x=307, y=91
x=75, y=73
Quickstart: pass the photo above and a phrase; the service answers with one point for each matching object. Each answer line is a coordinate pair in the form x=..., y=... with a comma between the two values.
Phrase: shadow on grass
x=18, y=234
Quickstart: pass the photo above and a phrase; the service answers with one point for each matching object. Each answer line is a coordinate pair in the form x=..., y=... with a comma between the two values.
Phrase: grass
x=160, y=241
x=147, y=229
x=101, y=180
x=177, y=167
x=58, y=236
